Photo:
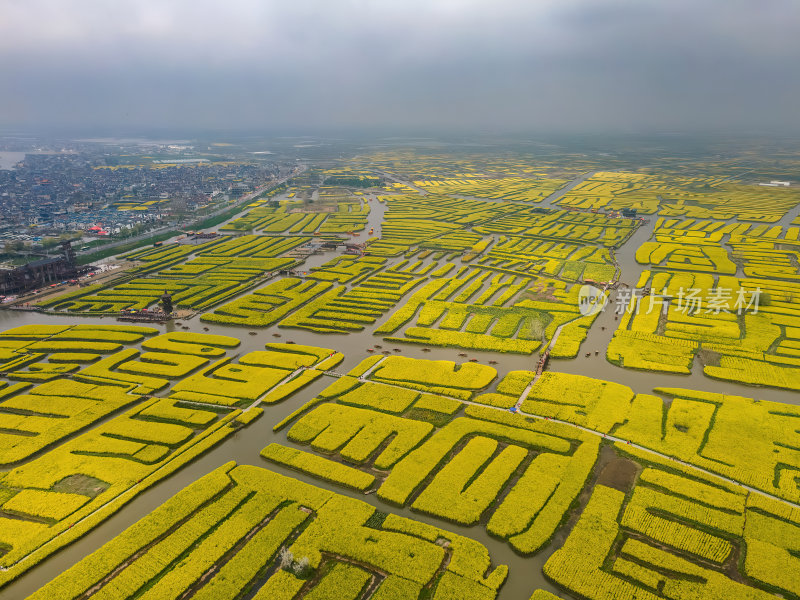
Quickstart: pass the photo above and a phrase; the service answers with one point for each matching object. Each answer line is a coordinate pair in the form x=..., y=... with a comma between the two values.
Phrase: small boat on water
x=276, y=335
x=370, y=350
x=252, y=333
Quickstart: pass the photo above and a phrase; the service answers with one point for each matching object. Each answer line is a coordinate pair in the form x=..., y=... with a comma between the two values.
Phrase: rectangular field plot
x=698, y=315
x=293, y=217
x=534, y=257
x=197, y=276
x=268, y=376
x=518, y=476
x=724, y=293
x=676, y=540
x=77, y=447
x=478, y=309
x=563, y=226
x=342, y=310
x=72, y=488
x=378, y=476
x=516, y=189
x=692, y=197
x=706, y=246
x=267, y=305
x=246, y=529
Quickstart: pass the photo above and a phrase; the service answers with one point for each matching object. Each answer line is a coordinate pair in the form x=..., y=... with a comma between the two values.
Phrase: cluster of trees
x=16, y=247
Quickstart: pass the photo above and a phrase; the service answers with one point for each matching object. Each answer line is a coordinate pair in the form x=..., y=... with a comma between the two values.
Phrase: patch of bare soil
x=619, y=473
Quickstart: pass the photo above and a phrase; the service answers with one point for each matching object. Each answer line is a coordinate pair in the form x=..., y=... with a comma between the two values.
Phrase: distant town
x=91, y=192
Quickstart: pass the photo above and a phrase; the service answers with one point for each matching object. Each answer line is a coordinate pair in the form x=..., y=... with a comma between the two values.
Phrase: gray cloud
x=575, y=65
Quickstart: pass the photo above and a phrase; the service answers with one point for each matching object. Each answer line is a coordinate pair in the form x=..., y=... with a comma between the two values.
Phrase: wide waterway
x=244, y=446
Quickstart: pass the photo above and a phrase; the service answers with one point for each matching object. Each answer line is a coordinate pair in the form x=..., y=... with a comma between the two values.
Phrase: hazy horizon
x=441, y=67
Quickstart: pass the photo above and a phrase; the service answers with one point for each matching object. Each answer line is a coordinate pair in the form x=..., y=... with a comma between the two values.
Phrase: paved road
x=605, y=436
x=153, y=232
x=612, y=438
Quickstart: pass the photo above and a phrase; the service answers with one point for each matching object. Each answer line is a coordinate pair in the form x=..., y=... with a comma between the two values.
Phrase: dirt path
x=610, y=438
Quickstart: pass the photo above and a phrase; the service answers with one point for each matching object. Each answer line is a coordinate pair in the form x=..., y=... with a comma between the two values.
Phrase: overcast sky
x=405, y=65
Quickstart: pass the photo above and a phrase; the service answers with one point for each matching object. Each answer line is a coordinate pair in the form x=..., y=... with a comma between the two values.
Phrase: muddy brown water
x=243, y=447
x=525, y=573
